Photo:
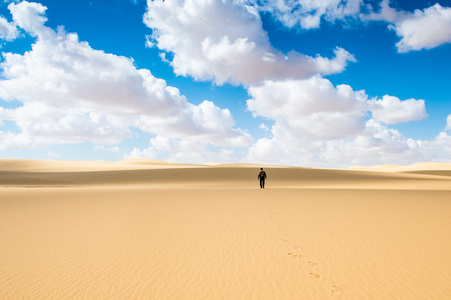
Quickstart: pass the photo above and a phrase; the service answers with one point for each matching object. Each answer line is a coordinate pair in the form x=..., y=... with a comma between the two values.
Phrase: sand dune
x=156, y=173
x=153, y=230
x=424, y=166
x=29, y=165
x=438, y=169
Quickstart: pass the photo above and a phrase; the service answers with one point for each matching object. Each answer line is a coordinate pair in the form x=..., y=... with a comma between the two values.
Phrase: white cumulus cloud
x=193, y=150
x=319, y=124
x=380, y=12
x=448, y=123
x=30, y=17
x=423, y=29
x=72, y=93
x=224, y=41
x=391, y=110
x=307, y=13
x=311, y=108
x=8, y=31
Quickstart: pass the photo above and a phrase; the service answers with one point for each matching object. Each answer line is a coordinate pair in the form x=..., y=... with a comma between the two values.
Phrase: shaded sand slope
x=208, y=232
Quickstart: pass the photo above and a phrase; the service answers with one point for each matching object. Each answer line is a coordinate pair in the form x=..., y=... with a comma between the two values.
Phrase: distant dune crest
x=422, y=166
x=67, y=165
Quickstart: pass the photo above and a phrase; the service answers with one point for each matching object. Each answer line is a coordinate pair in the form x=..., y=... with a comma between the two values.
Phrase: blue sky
x=318, y=84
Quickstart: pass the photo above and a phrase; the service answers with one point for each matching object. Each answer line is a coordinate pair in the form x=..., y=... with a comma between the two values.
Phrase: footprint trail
x=295, y=250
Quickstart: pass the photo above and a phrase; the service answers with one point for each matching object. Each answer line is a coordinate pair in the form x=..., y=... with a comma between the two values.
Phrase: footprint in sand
x=336, y=290
x=317, y=276
x=294, y=255
x=313, y=264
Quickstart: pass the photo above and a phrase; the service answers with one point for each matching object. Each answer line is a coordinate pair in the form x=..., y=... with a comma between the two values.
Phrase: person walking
x=262, y=178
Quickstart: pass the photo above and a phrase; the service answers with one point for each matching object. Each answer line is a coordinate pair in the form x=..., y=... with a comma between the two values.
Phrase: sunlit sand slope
x=209, y=232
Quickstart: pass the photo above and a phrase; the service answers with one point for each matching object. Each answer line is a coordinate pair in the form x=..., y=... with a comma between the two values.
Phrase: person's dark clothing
x=262, y=177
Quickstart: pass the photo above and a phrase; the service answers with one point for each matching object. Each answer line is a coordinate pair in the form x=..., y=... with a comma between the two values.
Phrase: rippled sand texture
x=150, y=230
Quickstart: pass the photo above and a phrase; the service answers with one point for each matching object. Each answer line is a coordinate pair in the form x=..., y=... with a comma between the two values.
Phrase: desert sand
x=142, y=229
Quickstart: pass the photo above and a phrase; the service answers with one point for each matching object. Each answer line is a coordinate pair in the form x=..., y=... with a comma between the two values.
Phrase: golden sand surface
x=144, y=229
